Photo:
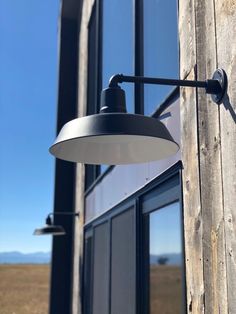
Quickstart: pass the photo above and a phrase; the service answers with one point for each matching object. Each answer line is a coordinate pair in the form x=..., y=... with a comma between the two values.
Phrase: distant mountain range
x=171, y=259
x=45, y=257
x=25, y=258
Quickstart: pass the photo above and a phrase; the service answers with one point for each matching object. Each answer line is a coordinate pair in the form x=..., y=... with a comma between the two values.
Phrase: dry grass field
x=24, y=289
x=165, y=290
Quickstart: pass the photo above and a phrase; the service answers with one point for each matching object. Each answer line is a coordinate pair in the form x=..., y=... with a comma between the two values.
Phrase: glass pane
x=118, y=51
x=161, y=57
x=118, y=46
x=103, y=168
x=166, y=261
x=91, y=87
x=91, y=170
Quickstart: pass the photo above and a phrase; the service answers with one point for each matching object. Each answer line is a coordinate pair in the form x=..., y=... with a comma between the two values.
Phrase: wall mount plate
x=221, y=77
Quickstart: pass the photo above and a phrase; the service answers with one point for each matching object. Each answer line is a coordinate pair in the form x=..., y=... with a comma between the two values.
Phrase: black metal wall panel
x=101, y=269
x=123, y=268
x=87, y=283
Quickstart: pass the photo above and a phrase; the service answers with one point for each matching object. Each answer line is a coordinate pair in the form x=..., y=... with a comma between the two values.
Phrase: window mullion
x=138, y=58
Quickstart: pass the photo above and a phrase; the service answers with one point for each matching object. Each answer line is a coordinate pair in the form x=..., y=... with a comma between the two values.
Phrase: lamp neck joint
x=115, y=80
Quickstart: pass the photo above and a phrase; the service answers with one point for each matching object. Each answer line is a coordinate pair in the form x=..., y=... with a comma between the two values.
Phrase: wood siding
x=207, y=41
x=80, y=169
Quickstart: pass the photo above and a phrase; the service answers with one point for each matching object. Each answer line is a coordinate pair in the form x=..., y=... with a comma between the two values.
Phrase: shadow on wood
x=228, y=106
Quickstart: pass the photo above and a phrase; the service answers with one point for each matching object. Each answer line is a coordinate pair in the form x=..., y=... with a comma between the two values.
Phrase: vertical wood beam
x=190, y=158
x=191, y=202
x=80, y=169
x=225, y=13
x=209, y=150
x=187, y=37
x=210, y=165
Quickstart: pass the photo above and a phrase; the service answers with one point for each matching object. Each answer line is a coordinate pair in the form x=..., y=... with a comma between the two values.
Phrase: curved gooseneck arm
x=49, y=220
x=216, y=86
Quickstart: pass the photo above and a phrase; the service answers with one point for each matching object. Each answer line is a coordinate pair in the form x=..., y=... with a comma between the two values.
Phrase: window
x=118, y=44
x=134, y=253
x=161, y=58
x=163, y=243
x=135, y=38
x=165, y=261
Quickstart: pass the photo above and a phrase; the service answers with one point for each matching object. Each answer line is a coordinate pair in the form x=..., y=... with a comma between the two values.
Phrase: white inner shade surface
x=114, y=149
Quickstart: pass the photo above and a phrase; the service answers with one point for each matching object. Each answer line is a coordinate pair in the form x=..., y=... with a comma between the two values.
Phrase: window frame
x=172, y=193
x=93, y=171
x=162, y=183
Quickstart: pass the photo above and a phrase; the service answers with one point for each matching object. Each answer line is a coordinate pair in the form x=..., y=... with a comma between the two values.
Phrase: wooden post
x=210, y=166
x=225, y=12
x=191, y=176
x=208, y=131
x=80, y=169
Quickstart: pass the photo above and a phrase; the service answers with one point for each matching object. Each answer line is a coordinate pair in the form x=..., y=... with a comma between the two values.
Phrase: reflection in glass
x=161, y=57
x=118, y=47
x=165, y=256
x=103, y=168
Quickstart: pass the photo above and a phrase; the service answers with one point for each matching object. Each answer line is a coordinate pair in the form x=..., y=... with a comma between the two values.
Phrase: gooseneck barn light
x=115, y=137
x=50, y=228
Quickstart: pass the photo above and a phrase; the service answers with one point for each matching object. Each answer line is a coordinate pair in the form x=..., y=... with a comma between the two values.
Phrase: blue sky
x=165, y=224
x=160, y=55
x=28, y=96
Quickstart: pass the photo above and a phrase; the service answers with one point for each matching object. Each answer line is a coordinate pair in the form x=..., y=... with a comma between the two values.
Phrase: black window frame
x=87, y=275
x=167, y=192
x=92, y=172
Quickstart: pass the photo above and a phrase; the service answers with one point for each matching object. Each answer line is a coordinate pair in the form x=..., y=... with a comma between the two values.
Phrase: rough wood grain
x=191, y=202
x=189, y=149
x=80, y=169
x=225, y=11
x=210, y=165
x=78, y=240
x=187, y=36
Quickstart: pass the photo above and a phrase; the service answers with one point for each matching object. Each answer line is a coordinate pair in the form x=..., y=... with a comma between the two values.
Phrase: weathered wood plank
x=190, y=159
x=225, y=11
x=187, y=37
x=210, y=165
x=78, y=240
x=191, y=202
x=80, y=169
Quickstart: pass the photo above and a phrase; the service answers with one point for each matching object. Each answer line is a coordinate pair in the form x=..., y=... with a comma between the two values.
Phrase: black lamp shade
x=50, y=230
x=114, y=139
